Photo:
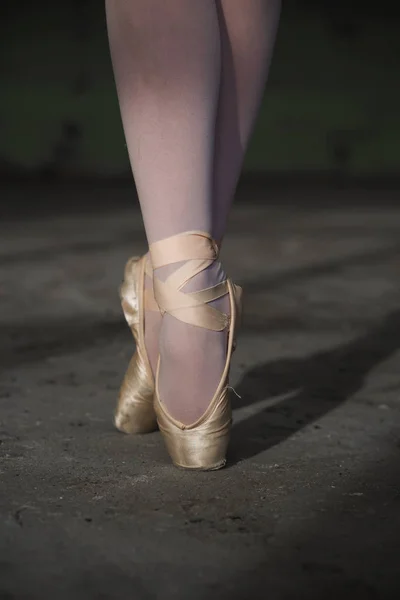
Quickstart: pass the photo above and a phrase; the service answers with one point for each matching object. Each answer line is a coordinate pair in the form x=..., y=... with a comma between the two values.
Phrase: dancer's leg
x=166, y=57
x=248, y=31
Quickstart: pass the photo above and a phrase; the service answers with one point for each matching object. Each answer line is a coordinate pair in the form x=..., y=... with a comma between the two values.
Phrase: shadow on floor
x=320, y=383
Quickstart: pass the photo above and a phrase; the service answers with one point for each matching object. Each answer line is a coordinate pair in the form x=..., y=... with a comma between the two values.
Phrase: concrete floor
x=309, y=506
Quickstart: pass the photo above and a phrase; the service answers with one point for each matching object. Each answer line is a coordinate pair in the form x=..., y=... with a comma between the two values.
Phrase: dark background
x=308, y=508
x=331, y=105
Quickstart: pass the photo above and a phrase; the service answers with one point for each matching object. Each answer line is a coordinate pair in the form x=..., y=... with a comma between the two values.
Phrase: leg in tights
x=166, y=58
x=248, y=31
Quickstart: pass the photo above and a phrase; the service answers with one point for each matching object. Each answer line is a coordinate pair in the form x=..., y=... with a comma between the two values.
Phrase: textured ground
x=309, y=507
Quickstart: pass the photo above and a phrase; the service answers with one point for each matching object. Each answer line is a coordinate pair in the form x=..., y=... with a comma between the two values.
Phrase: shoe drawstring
x=234, y=391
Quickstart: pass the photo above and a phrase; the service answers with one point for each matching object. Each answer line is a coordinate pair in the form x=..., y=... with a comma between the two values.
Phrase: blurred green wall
x=332, y=101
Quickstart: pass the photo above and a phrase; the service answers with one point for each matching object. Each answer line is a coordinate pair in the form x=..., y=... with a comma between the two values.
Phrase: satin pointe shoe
x=135, y=407
x=203, y=444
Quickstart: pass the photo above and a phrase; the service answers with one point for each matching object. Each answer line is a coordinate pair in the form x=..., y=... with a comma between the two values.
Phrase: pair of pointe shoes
x=203, y=444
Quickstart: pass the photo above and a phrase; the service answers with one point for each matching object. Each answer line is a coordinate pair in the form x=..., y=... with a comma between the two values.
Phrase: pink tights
x=190, y=77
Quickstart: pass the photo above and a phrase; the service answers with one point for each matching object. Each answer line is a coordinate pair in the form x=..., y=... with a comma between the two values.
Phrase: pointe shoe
x=135, y=408
x=203, y=444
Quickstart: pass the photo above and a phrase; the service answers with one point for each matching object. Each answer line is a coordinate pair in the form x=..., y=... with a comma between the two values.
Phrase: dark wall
x=331, y=102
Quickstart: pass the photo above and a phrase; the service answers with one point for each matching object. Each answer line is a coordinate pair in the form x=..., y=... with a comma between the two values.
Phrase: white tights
x=190, y=75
